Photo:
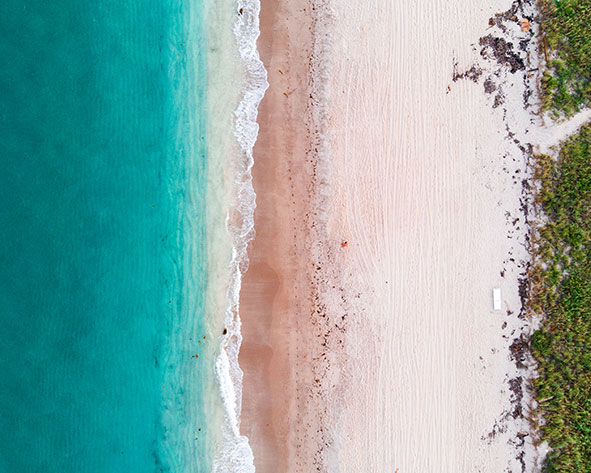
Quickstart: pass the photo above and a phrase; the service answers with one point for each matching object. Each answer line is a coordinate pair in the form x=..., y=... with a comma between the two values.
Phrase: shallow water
x=116, y=181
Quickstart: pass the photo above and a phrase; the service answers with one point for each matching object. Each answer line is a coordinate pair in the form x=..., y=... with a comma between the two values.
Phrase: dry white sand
x=425, y=187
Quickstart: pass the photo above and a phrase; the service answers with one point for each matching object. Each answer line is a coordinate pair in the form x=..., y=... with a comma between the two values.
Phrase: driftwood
x=546, y=49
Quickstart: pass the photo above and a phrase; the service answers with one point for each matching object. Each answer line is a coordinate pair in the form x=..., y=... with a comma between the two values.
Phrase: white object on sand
x=497, y=298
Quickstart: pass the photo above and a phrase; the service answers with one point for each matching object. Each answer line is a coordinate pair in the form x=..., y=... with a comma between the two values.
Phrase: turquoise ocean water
x=120, y=152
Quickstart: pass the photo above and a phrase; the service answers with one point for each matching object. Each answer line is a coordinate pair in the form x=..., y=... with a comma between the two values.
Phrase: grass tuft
x=560, y=288
x=566, y=28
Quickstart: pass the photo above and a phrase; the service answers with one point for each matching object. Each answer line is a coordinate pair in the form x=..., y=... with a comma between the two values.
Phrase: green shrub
x=562, y=275
x=566, y=28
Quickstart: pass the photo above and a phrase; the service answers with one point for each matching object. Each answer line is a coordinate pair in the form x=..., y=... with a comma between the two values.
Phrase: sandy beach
x=389, y=205
x=430, y=205
x=275, y=288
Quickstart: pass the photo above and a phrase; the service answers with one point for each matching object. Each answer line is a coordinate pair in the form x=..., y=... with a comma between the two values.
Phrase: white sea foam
x=235, y=454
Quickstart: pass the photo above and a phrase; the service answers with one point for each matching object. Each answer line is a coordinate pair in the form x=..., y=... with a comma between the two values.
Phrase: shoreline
x=273, y=296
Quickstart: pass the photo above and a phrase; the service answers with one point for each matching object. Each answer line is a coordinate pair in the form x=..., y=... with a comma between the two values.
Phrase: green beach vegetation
x=560, y=274
x=560, y=282
x=566, y=38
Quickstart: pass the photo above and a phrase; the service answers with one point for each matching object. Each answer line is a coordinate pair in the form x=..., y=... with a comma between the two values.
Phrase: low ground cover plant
x=566, y=42
x=561, y=290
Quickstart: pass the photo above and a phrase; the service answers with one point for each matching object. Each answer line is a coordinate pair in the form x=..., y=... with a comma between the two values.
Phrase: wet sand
x=275, y=286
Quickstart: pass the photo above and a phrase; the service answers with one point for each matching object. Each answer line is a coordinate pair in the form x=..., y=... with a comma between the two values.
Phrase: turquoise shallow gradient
x=103, y=170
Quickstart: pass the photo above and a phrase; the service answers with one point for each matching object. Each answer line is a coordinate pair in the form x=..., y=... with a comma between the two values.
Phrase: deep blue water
x=101, y=142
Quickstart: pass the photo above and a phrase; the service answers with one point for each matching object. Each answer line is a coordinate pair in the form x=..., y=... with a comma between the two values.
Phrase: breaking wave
x=235, y=454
